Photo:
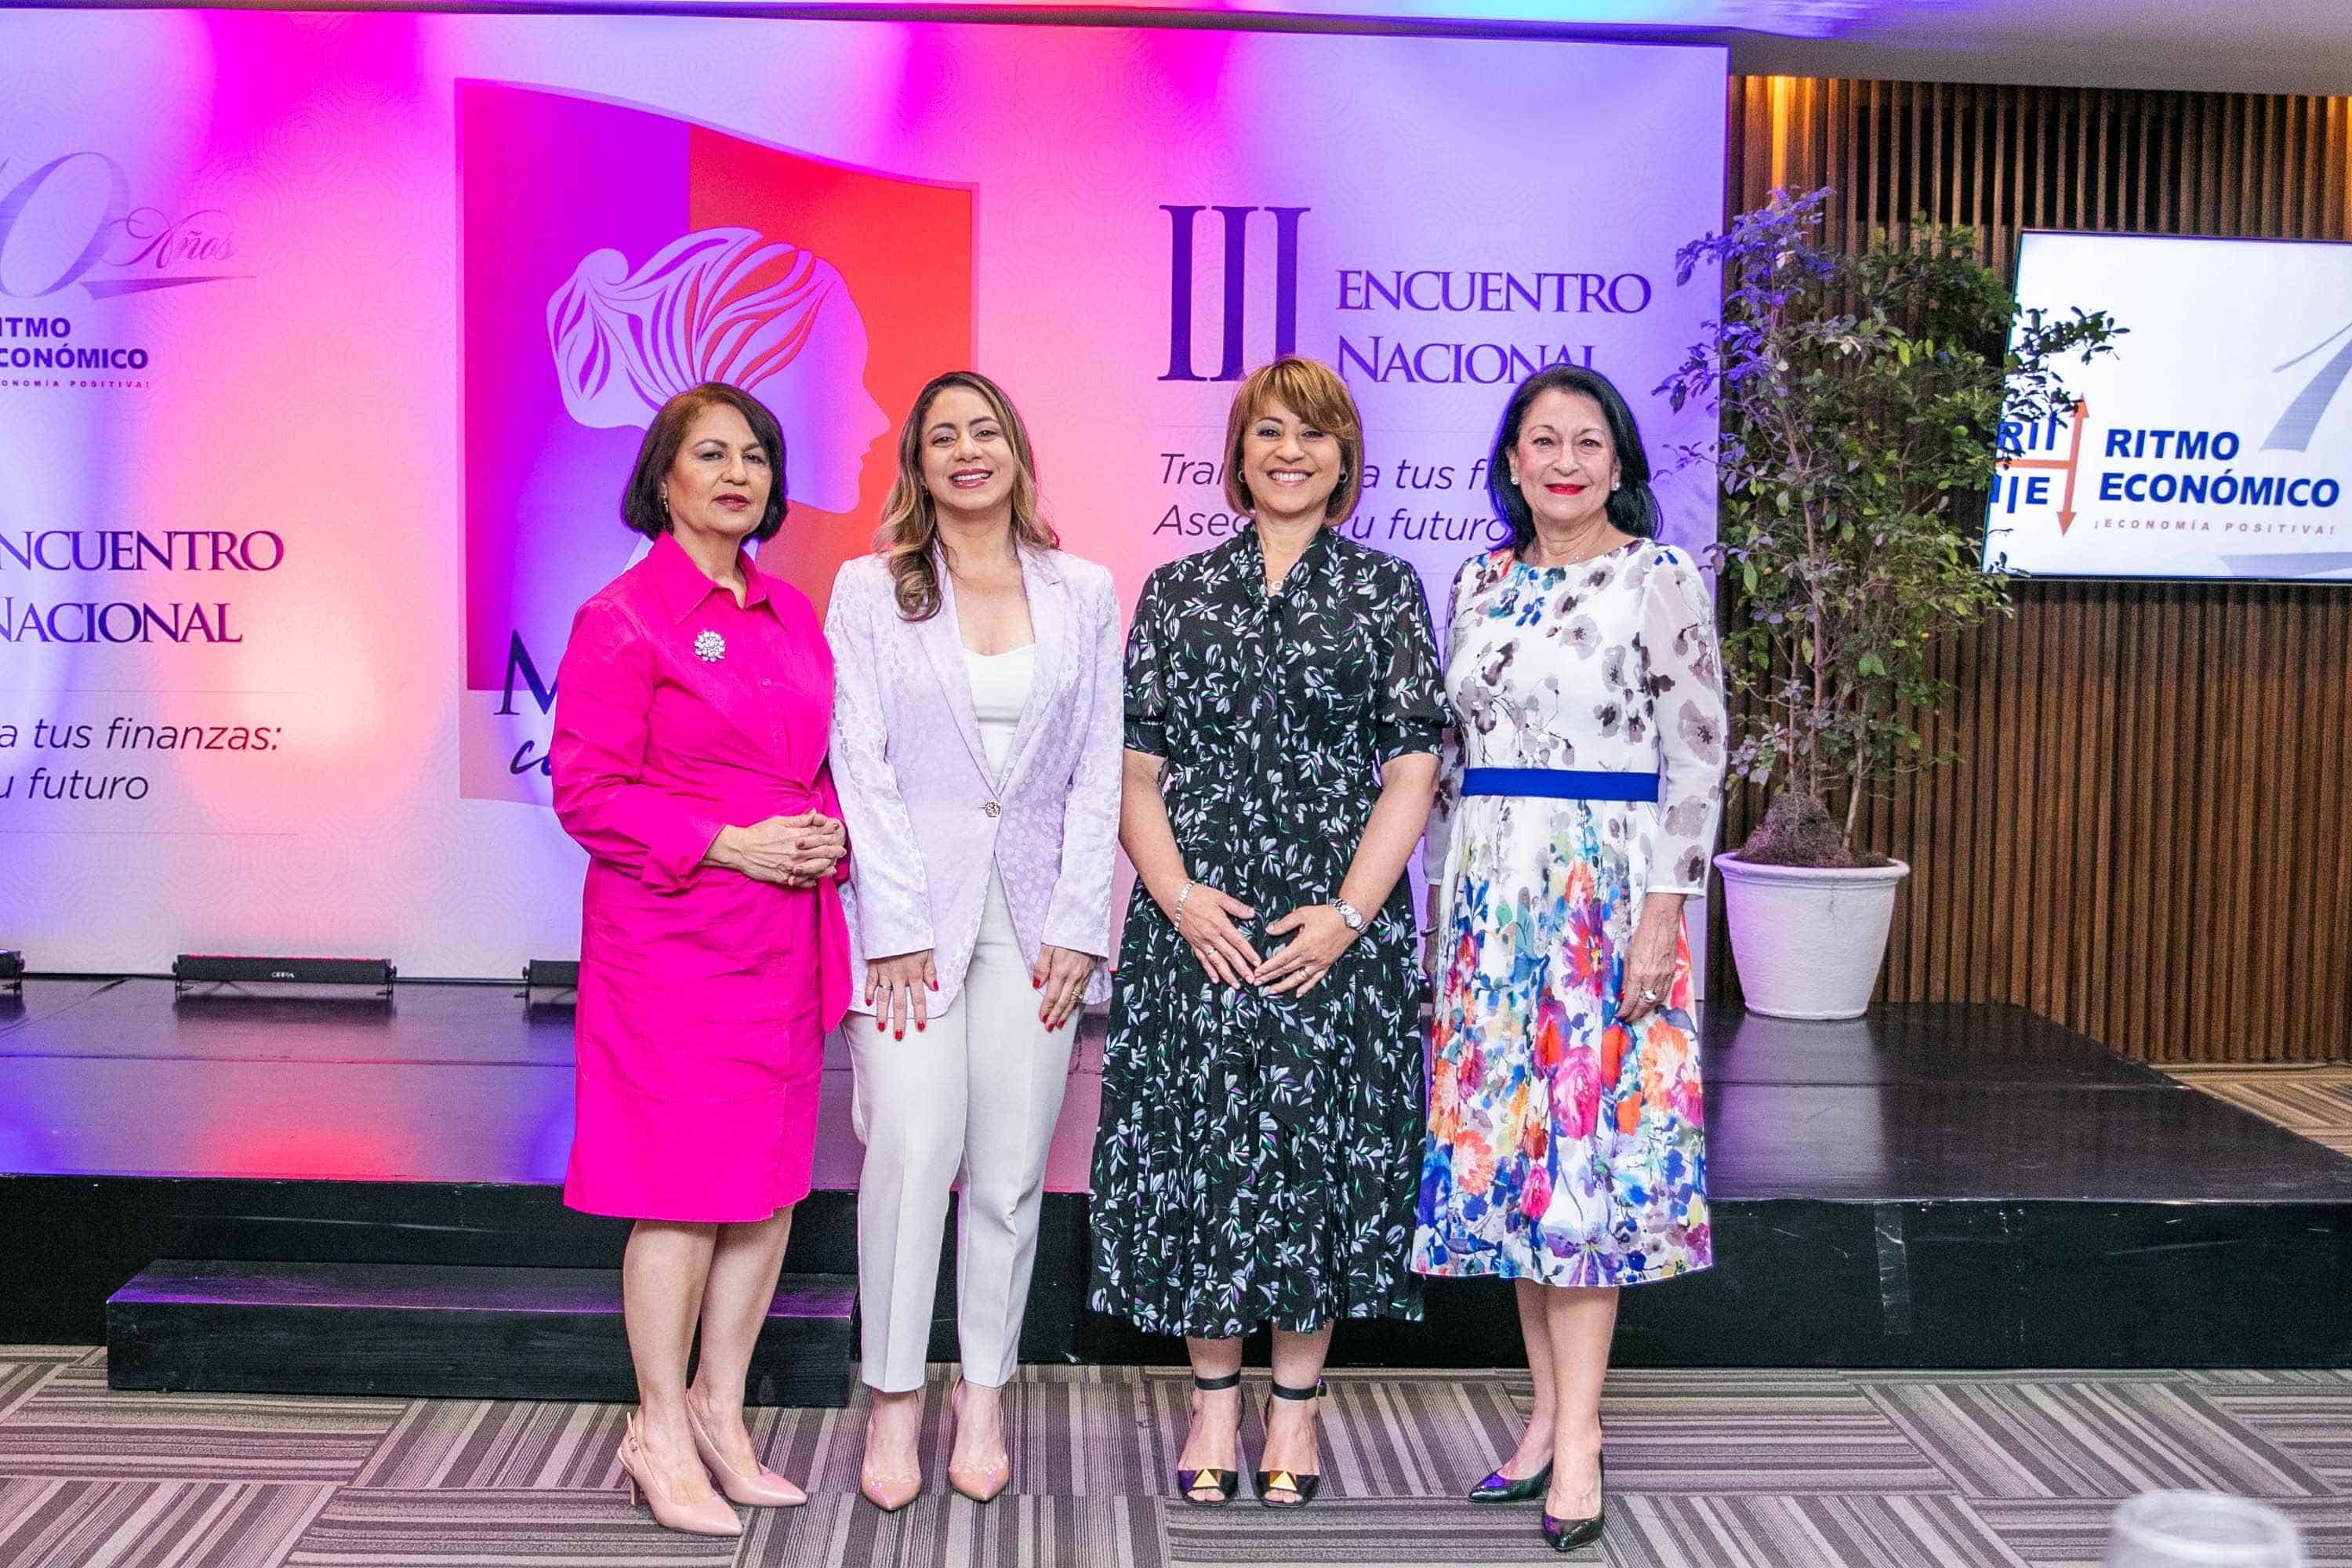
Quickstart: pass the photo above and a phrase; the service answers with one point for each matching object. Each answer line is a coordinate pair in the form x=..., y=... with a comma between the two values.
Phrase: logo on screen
x=70, y=234
x=70, y=222
x=2039, y=463
x=2300, y=422
x=614, y=257
x=1233, y=317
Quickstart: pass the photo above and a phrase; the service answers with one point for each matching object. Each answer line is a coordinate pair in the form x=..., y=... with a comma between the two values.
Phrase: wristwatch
x=1349, y=915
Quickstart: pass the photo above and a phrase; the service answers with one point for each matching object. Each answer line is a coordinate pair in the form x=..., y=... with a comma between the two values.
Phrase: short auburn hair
x=641, y=501
x=1313, y=391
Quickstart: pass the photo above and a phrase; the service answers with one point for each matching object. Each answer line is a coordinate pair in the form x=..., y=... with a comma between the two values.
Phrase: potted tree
x=1860, y=398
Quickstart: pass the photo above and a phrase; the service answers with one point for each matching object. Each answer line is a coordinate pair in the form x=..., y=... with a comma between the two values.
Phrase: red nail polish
x=1035, y=983
x=879, y=1025
x=899, y=1035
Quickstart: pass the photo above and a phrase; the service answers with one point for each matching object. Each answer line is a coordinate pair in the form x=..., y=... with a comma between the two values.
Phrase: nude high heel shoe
x=764, y=1490
x=980, y=1486
x=711, y=1516
x=887, y=1493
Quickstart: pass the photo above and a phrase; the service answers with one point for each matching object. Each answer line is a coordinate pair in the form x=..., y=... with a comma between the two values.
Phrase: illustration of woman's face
x=819, y=396
x=730, y=305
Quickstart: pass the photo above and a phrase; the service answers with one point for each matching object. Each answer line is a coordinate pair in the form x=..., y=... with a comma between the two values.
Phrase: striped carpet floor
x=1811, y=1469
x=2316, y=1102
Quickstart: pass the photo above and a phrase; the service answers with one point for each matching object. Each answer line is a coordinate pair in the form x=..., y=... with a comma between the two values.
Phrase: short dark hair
x=1632, y=508
x=641, y=502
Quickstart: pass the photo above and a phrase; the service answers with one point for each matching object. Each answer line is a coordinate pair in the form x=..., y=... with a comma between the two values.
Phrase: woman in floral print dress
x=1262, y=1111
x=1582, y=784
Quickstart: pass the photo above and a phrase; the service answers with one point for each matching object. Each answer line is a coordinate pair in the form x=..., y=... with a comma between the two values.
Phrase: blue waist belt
x=1559, y=784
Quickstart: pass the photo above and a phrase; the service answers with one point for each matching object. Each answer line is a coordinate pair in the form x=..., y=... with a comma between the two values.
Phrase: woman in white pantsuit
x=976, y=746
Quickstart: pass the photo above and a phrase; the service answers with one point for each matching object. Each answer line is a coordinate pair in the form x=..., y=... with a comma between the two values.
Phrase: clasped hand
x=790, y=851
x=1292, y=969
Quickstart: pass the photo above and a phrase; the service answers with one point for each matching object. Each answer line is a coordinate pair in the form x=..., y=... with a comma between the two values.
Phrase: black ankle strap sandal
x=1301, y=1484
x=1220, y=1482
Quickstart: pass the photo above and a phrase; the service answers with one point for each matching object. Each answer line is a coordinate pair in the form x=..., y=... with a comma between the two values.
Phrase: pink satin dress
x=705, y=995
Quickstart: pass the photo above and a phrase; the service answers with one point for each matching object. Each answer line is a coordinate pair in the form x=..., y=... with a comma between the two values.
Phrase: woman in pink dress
x=691, y=721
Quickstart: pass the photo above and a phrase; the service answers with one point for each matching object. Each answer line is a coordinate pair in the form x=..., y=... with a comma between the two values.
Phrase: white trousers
x=974, y=1096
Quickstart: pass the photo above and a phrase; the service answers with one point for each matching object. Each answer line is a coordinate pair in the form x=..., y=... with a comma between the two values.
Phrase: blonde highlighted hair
x=1313, y=391
x=909, y=533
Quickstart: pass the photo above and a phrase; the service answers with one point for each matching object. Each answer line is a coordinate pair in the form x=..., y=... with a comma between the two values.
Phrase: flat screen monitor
x=2215, y=442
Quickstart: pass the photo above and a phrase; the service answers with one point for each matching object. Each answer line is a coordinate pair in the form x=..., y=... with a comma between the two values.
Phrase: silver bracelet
x=1183, y=894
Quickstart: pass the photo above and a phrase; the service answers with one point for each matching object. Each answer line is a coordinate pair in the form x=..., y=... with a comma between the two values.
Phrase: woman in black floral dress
x=1259, y=1151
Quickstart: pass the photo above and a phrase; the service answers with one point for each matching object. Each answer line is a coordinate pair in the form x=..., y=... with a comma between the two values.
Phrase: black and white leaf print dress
x=1258, y=1155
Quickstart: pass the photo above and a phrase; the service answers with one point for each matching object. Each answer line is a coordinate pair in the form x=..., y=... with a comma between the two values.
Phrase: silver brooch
x=709, y=646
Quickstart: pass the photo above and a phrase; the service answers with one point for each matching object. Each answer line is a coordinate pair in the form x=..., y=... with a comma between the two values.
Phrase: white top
x=1000, y=688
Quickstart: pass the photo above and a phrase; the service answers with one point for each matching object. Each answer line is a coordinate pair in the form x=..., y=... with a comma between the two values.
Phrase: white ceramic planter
x=1808, y=942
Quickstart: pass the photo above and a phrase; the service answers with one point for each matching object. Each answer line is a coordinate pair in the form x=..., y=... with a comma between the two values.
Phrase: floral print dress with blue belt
x=1256, y=1161
x=1564, y=1145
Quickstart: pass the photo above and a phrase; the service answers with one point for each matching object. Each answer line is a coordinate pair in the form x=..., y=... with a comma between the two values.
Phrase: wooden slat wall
x=2146, y=836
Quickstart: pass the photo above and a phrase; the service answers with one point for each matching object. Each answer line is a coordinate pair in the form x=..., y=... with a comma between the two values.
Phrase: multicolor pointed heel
x=1500, y=1487
x=1567, y=1535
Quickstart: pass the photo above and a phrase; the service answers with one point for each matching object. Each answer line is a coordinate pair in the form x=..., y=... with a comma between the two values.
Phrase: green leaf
x=1859, y=394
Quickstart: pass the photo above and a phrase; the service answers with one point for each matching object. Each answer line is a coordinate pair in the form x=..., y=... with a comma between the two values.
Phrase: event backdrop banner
x=2216, y=441
x=326, y=343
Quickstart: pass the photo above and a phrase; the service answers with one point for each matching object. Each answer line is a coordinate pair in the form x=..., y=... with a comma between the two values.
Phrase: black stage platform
x=1934, y=1186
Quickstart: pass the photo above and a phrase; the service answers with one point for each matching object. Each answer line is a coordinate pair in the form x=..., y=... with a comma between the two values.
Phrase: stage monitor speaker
x=266, y=975
x=12, y=972
x=550, y=982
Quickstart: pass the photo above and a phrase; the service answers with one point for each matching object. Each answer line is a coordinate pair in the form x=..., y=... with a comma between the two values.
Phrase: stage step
x=435, y=1331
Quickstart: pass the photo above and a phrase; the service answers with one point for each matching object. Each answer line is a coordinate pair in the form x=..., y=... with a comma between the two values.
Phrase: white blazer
x=928, y=820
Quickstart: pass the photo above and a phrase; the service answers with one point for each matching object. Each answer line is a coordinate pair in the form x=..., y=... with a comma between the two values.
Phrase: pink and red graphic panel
x=614, y=257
